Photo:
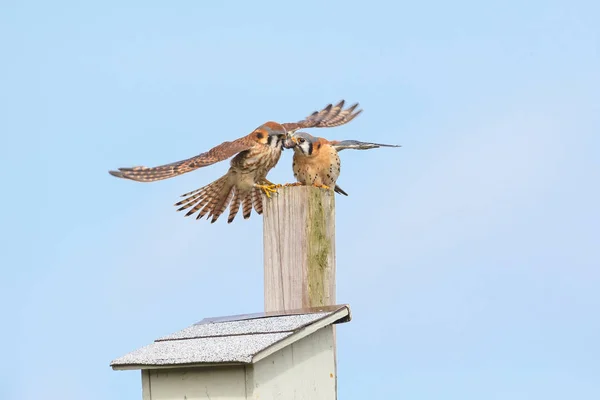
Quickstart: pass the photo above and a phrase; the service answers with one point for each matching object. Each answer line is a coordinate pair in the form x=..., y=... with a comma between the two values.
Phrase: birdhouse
x=274, y=355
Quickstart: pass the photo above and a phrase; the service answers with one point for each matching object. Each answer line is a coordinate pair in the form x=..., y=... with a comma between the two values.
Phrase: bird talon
x=268, y=189
x=321, y=186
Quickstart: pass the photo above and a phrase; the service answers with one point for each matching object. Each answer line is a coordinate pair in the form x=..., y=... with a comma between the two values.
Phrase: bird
x=316, y=160
x=255, y=155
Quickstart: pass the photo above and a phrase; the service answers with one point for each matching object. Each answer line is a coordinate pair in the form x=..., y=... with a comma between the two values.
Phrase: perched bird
x=257, y=153
x=316, y=161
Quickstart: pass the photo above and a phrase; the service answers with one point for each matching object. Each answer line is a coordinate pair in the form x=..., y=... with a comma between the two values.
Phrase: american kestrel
x=316, y=161
x=257, y=153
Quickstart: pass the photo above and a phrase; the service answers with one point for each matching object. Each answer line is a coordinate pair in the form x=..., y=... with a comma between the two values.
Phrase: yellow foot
x=268, y=189
x=321, y=186
x=267, y=182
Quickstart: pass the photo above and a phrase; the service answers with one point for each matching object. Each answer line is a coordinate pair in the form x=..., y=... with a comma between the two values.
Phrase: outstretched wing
x=328, y=117
x=214, y=155
x=356, y=145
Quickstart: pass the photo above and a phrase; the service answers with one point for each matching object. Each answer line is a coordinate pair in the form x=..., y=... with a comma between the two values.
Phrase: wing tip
x=117, y=174
x=379, y=145
x=339, y=190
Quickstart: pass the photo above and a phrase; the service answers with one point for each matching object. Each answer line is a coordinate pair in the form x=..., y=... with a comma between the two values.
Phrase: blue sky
x=470, y=256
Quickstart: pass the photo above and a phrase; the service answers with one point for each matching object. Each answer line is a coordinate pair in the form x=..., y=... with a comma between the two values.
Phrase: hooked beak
x=290, y=141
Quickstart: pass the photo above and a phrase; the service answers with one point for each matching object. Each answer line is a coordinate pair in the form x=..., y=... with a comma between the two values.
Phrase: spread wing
x=214, y=155
x=356, y=145
x=328, y=117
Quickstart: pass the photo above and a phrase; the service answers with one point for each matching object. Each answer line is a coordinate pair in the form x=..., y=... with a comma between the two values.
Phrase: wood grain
x=299, y=248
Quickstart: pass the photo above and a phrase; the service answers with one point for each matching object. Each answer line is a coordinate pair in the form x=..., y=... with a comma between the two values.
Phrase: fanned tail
x=213, y=199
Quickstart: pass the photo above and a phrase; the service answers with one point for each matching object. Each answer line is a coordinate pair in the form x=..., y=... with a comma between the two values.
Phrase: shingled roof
x=241, y=339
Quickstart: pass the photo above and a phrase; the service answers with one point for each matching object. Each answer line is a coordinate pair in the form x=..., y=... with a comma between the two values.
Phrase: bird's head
x=271, y=134
x=302, y=143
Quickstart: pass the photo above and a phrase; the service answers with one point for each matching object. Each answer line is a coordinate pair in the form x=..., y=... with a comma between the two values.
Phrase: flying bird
x=255, y=155
x=316, y=160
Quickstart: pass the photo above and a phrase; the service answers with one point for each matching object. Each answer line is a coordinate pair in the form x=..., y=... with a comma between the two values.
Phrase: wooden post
x=299, y=248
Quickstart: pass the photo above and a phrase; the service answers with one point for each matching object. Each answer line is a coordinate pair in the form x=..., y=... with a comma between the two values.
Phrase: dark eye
x=301, y=140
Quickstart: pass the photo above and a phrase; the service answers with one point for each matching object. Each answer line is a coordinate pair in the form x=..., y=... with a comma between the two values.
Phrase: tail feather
x=247, y=205
x=234, y=206
x=204, y=203
x=210, y=191
x=257, y=201
x=190, y=201
x=204, y=211
x=219, y=194
x=221, y=205
x=340, y=190
x=192, y=192
x=195, y=196
x=211, y=198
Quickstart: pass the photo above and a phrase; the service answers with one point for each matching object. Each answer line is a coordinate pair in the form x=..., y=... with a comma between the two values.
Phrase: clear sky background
x=470, y=256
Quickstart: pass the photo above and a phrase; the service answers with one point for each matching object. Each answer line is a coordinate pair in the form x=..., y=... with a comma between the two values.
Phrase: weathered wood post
x=299, y=248
x=270, y=356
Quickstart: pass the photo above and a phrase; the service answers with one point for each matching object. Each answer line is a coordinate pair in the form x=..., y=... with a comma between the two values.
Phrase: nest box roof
x=240, y=339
